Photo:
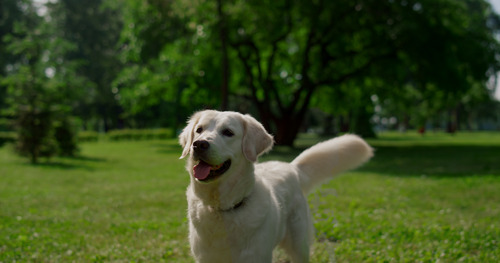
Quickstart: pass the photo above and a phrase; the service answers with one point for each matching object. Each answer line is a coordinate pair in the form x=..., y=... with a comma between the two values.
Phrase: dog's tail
x=327, y=159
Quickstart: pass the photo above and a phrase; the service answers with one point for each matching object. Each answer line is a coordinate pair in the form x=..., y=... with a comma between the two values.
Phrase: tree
x=93, y=28
x=334, y=43
x=27, y=93
x=223, y=35
x=10, y=12
x=306, y=46
x=39, y=88
x=453, y=57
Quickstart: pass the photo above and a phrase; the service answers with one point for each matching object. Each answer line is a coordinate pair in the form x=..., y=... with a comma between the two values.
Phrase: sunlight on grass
x=422, y=198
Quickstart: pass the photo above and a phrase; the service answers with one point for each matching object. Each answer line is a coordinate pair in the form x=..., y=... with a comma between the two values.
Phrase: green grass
x=421, y=199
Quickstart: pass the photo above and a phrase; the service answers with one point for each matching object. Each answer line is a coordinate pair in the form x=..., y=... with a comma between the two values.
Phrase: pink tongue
x=201, y=170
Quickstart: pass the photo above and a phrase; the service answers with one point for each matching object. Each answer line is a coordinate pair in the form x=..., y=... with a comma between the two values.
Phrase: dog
x=240, y=210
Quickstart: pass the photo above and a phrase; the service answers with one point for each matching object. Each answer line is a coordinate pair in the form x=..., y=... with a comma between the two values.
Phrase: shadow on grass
x=88, y=159
x=70, y=163
x=435, y=161
x=60, y=165
x=419, y=160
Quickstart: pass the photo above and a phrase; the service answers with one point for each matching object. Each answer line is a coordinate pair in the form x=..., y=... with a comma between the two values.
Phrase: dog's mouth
x=205, y=172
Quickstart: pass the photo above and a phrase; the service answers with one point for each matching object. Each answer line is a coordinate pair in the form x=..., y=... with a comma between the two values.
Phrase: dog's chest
x=234, y=236
x=226, y=228
x=208, y=221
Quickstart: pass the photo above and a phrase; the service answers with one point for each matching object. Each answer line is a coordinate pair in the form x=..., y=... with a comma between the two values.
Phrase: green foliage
x=172, y=65
x=442, y=52
x=93, y=29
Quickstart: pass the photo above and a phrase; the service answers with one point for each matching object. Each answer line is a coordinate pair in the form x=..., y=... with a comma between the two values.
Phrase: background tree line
x=109, y=64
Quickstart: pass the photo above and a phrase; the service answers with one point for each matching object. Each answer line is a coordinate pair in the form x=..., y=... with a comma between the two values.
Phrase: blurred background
x=364, y=66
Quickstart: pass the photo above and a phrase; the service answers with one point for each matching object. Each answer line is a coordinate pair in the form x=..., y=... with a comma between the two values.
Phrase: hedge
x=136, y=134
x=88, y=136
x=113, y=135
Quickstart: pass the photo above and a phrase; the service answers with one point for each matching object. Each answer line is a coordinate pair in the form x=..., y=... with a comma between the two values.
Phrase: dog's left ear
x=186, y=137
x=256, y=140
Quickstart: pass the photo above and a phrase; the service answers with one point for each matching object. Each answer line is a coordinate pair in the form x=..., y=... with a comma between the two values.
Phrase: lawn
x=422, y=198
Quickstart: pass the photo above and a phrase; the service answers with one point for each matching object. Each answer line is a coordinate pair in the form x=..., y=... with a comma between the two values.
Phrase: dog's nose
x=200, y=146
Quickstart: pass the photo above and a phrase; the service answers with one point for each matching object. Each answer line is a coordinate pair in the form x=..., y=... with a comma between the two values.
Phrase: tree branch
x=248, y=70
x=244, y=59
x=269, y=83
x=306, y=84
x=357, y=71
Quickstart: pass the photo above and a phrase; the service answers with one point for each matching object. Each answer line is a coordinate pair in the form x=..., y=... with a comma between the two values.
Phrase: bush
x=44, y=132
x=34, y=132
x=137, y=135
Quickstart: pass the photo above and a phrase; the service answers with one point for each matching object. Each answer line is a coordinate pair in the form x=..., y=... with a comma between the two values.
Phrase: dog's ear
x=256, y=140
x=186, y=137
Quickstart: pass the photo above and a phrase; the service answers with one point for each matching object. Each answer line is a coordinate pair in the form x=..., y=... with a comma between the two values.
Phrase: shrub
x=43, y=132
x=34, y=132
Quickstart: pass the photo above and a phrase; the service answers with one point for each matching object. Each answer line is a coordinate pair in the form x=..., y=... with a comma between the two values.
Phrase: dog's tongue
x=201, y=170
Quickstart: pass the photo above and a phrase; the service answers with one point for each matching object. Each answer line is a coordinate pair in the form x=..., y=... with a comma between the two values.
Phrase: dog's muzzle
x=200, y=146
x=204, y=171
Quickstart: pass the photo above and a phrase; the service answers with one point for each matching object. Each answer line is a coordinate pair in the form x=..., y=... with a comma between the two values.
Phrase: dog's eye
x=228, y=133
x=199, y=130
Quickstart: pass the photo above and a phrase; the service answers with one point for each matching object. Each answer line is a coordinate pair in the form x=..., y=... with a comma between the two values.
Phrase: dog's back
x=288, y=182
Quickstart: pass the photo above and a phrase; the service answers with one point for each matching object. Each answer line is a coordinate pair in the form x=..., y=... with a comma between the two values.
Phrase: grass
x=432, y=198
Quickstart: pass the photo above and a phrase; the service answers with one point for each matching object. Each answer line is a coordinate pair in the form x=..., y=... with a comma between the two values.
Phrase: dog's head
x=217, y=141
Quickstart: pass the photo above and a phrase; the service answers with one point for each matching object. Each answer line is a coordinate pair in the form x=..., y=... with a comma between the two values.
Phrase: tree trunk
x=362, y=125
x=451, y=126
x=344, y=123
x=405, y=124
x=284, y=128
x=329, y=128
x=287, y=130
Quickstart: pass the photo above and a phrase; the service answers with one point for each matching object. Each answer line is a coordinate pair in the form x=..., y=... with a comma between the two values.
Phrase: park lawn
x=422, y=198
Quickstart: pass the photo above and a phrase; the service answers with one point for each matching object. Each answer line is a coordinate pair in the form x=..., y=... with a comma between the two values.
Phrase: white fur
x=274, y=209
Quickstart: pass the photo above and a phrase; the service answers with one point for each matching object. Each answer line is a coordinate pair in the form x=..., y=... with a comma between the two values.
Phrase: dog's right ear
x=256, y=140
x=186, y=137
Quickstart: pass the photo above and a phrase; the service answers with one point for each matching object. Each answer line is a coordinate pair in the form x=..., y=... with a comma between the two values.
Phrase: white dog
x=239, y=211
